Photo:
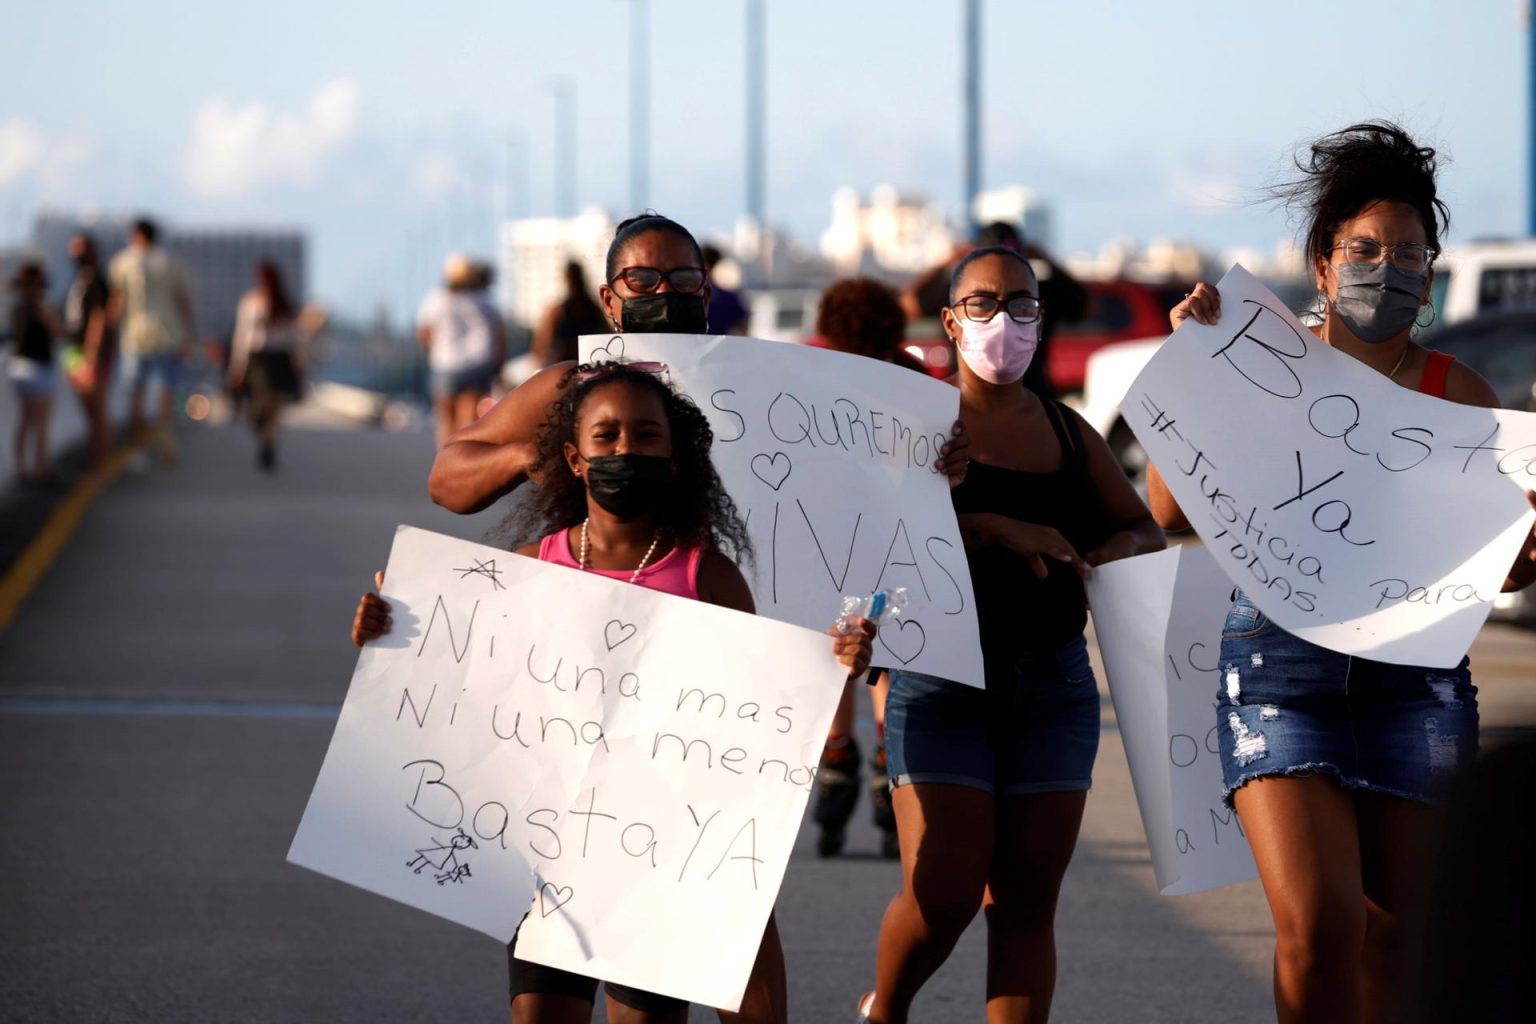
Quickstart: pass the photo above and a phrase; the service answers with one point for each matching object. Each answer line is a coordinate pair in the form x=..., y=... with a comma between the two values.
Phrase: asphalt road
x=166, y=697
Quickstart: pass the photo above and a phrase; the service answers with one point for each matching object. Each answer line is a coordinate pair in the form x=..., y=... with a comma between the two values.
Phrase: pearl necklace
x=648, y=551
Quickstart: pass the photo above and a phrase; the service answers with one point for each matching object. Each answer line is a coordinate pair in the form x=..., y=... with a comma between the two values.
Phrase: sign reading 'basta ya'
x=1359, y=515
x=620, y=773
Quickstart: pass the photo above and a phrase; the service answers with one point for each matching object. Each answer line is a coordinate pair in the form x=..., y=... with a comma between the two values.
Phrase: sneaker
x=837, y=791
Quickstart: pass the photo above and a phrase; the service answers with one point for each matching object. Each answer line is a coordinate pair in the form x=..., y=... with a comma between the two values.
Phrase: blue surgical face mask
x=1377, y=302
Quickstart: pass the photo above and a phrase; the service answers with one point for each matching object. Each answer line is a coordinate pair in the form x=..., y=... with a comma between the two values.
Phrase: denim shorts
x=33, y=380
x=164, y=365
x=1034, y=729
x=1288, y=707
x=451, y=383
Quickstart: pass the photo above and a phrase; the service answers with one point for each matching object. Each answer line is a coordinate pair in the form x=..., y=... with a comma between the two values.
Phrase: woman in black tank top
x=989, y=784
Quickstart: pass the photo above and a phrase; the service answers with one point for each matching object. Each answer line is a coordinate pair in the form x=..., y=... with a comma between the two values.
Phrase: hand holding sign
x=566, y=747
x=1356, y=514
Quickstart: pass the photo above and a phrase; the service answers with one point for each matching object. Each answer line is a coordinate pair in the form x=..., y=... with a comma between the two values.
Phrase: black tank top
x=1017, y=610
x=577, y=316
x=32, y=338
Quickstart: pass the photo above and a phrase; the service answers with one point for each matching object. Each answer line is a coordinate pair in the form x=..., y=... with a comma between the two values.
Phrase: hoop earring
x=1423, y=326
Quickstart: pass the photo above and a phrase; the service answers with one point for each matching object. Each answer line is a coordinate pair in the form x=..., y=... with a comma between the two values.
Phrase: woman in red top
x=1335, y=763
x=627, y=490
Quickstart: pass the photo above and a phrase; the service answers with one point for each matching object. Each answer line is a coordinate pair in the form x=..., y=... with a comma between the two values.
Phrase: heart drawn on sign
x=552, y=899
x=616, y=632
x=610, y=352
x=915, y=642
x=771, y=470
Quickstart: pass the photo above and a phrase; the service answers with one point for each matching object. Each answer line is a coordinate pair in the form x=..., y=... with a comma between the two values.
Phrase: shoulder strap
x=1436, y=369
x=1065, y=425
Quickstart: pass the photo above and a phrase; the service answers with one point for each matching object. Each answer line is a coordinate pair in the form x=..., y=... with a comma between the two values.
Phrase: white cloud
x=236, y=149
x=26, y=152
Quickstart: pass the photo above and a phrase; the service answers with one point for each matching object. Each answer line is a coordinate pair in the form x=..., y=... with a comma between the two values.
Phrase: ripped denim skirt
x=1288, y=707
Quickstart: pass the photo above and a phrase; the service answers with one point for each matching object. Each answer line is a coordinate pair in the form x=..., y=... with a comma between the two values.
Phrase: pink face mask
x=999, y=350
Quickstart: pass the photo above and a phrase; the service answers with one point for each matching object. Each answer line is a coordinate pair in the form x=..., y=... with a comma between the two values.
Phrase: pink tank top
x=676, y=572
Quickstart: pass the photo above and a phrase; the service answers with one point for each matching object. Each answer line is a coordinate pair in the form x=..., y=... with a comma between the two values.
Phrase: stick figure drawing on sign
x=447, y=862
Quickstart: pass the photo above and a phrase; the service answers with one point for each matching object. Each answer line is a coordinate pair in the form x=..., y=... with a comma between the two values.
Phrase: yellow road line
x=41, y=552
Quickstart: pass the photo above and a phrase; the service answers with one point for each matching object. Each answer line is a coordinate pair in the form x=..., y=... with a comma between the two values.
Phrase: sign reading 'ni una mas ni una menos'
x=1359, y=515
x=620, y=772
x=830, y=458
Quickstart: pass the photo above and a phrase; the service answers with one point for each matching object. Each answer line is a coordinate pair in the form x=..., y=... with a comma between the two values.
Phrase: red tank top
x=676, y=572
x=1435, y=371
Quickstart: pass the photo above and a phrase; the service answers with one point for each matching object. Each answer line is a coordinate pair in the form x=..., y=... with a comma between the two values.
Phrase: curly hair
x=698, y=513
x=862, y=316
x=1349, y=170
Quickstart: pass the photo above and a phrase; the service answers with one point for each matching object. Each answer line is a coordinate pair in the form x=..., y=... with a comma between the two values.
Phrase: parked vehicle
x=1501, y=347
x=1484, y=277
x=782, y=314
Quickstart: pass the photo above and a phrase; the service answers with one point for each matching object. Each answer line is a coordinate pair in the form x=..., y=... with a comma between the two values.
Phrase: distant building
x=534, y=253
x=893, y=233
x=220, y=262
x=1016, y=205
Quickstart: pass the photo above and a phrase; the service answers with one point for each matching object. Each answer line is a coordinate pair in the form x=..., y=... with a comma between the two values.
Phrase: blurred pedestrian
x=33, y=370
x=861, y=316
x=151, y=307
x=1063, y=297
x=577, y=313
x=728, y=312
x=1341, y=805
x=990, y=784
x=267, y=359
x=92, y=344
x=465, y=343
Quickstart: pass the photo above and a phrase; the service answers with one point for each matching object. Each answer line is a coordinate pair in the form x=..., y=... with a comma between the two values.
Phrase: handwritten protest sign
x=830, y=458
x=626, y=768
x=1158, y=620
x=1357, y=514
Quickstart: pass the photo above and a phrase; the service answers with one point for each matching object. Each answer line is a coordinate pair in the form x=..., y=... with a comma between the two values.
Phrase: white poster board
x=629, y=769
x=1158, y=620
x=829, y=456
x=1359, y=515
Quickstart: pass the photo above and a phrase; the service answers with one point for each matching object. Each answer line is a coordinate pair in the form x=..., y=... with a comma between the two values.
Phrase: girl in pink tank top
x=626, y=490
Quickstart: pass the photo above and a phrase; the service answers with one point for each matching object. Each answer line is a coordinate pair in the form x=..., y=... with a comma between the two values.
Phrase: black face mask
x=665, y=313
x=629, y=485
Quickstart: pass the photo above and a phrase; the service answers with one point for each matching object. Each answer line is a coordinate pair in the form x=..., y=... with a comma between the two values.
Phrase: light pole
x=1530, y=123
x=639, y=104
x=755, y=112
x=564, y=90
x=972, y=103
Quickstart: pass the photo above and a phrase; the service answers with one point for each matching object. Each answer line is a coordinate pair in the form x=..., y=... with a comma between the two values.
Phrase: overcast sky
x=386, y=129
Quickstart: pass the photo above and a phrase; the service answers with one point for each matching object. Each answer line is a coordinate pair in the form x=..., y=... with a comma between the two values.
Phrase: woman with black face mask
x=656, y=283
x=1339, y=804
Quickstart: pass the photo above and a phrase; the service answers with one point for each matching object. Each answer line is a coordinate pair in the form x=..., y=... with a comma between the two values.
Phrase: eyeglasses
x=647, y=279
x=1409, y=257
x=595, y=370
x=1021, y=309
